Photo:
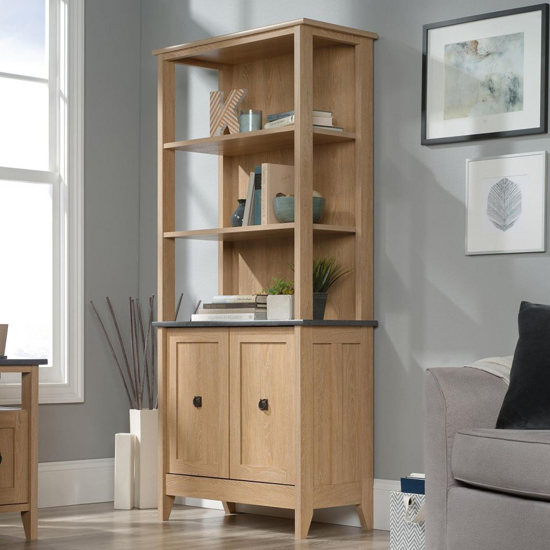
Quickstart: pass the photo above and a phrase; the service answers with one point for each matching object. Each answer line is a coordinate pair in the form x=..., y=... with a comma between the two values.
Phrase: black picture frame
x=543, y=125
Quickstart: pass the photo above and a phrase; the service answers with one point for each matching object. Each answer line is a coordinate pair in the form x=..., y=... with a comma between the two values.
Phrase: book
x=233, y=298
x=287, y=121
x=413, y=485
x=276, y=116
x=276, y=178
x=335, y=128
x=234, y=305
x=226, y=310
x=257, y=195
x=229, y=316
x=249, y=205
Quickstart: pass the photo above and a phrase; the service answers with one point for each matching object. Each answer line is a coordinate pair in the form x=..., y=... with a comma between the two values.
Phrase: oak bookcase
x=313, y=445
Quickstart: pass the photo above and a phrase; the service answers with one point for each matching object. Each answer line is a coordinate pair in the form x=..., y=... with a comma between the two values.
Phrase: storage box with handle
x=407, y=521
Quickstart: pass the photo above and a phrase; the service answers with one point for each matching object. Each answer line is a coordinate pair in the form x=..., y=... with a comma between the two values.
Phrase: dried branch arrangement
x=139, y=372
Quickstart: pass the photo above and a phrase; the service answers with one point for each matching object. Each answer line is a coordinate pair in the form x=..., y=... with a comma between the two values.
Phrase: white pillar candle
x=124, y=471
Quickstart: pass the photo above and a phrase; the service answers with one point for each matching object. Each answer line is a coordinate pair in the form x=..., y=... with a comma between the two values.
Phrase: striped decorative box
x=405, y=533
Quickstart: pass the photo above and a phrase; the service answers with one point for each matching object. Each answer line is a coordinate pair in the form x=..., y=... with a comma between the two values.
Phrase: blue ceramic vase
x=237, y=217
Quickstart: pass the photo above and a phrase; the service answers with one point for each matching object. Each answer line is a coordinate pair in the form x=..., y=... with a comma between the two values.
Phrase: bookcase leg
x=30, y=524
x=364, y=511
x=166, y=503
x=229, y=507
x=302, y=523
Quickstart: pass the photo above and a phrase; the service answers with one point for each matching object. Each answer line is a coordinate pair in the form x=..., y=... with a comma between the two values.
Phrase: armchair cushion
x=526, y=405
x=508, y=461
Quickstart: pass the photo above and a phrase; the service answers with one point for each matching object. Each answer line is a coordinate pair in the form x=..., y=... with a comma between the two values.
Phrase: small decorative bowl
x=284, y=208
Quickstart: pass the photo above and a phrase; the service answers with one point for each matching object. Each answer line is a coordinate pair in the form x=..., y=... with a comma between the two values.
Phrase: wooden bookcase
x=298, y=65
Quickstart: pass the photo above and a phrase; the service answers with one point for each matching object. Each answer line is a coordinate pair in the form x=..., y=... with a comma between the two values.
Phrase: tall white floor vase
x=144, y=426
x=124, y=471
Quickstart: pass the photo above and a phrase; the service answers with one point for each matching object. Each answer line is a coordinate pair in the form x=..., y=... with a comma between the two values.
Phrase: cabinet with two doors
x=275, y=416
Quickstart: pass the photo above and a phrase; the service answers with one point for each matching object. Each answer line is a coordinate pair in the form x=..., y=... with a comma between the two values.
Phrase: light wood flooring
x=99, y=527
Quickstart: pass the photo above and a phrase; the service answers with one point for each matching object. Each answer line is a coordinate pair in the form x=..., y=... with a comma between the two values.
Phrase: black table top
x=292, y=323
x=22, y=362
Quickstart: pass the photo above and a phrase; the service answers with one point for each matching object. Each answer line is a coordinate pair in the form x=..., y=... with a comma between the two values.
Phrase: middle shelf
x=247, y=143
x=251, y=232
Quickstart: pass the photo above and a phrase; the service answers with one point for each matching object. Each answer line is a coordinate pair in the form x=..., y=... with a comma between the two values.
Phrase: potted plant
x=325, y=273
x=280, y=300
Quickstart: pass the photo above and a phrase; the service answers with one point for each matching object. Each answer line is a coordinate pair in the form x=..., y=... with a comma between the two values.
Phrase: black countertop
x=292, y=323
x=22, y=362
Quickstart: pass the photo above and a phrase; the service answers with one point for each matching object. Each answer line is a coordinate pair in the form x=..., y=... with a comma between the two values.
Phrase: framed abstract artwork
x=506, y=204
x=485, y=76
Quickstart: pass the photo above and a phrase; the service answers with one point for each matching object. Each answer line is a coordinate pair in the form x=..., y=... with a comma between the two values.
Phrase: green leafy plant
x=325, y=273
x=280, y=286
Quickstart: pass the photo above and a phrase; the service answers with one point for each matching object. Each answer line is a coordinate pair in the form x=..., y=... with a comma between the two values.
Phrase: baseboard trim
x=75, y=482
x=90, y=481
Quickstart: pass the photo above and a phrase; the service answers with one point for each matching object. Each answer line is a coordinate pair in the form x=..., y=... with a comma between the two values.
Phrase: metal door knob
x=263, y=405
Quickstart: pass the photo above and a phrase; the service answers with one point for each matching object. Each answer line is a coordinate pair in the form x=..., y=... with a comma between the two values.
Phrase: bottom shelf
x=278, y=230
x=259, y=493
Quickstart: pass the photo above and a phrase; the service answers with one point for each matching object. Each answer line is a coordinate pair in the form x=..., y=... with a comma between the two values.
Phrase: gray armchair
x=486, y=489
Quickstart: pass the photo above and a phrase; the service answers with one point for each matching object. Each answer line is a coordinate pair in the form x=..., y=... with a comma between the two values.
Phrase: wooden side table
x=19, y=447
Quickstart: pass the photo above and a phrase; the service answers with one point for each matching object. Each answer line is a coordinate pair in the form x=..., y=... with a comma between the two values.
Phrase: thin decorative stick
x=178, y=307
x=134, y=390
x=145, y=344
x=134, y=353
x=114, y=354
x=150, y=336
x=153, y=347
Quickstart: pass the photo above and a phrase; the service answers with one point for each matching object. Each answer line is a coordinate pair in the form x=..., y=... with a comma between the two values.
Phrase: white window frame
x=63, y=382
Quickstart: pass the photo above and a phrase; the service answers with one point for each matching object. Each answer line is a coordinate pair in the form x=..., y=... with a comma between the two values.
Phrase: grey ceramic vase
x=237, y=217
x=319, y=305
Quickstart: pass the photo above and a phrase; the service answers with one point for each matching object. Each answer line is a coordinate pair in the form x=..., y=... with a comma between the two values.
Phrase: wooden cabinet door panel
x=262, y=441
x=198, y=402
x=15, y=459
x=342, y=395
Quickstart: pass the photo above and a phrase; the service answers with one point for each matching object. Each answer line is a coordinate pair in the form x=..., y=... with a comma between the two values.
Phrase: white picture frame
x=506, y=204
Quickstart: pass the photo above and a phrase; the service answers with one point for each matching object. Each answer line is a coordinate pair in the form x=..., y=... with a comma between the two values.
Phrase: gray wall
x=111, y=172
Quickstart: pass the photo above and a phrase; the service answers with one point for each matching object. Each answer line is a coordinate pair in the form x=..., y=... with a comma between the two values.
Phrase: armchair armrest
x=455, y=398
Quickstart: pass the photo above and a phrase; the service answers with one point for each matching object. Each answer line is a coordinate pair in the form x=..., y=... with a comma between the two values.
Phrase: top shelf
x=256, y=44
x=247, y=143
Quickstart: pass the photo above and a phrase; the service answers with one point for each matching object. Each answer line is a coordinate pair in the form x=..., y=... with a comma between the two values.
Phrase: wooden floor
x=99, y=527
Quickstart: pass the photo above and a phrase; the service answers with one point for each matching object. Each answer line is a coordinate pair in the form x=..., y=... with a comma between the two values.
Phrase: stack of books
x=414, y=483
x=239, y=307
x=321, y=119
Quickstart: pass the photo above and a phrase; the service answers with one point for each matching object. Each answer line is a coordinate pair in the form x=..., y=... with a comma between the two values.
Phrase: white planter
x=124, y=471
x=280, y=307
x=144, y=425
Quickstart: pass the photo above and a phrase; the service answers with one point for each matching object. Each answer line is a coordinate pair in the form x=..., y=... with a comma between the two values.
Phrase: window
x=41, y=191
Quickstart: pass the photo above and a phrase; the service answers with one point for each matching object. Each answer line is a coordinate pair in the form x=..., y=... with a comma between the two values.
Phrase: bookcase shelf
x=274, y=231
x=259, y=141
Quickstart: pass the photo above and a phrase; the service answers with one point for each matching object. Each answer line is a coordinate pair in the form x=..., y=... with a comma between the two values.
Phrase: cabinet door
x=198, y=402
x=14, y=460
x=262, y=405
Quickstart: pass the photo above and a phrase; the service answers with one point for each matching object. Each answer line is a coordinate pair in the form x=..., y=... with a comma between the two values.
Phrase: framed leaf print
x=485, y=76
x=506, y=204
